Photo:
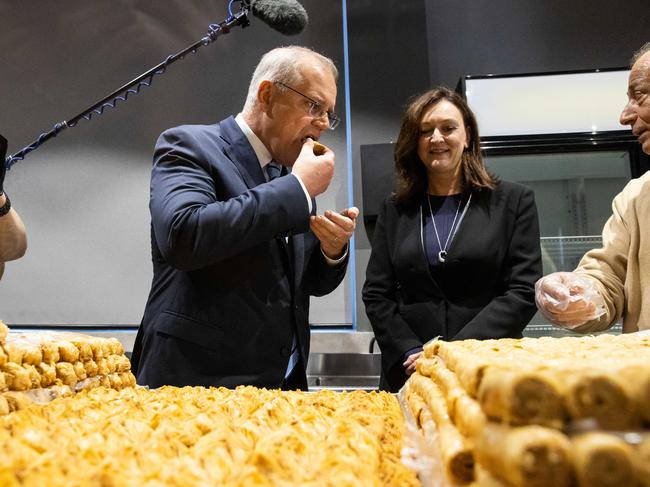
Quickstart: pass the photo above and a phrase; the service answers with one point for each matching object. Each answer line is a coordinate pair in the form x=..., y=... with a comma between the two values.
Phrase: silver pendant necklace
x=442, y=255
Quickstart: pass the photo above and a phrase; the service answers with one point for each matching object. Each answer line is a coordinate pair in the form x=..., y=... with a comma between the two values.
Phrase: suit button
x=285, y=351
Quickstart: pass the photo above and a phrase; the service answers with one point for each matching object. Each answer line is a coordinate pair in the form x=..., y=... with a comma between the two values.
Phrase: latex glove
x=568, y=299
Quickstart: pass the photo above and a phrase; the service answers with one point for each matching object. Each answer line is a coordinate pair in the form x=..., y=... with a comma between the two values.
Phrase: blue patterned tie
x=272, y=170
x=293, y=359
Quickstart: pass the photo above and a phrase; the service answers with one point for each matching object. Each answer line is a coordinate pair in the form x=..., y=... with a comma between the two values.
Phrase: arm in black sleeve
x=380, y=295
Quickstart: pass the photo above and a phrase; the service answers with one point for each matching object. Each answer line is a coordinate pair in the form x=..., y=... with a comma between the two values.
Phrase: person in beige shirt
x=13, y=239
x=613, y=281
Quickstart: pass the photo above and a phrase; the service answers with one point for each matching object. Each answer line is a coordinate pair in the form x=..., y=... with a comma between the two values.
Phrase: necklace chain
x=442, y=255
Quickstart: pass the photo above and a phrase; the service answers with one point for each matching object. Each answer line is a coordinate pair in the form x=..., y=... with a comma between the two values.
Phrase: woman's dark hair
x=411, y=173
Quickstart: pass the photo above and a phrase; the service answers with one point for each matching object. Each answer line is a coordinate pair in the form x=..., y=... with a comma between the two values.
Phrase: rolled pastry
x=4, y=331
x=97, y=348
x=65, y=373
x=637, y=376
x=31, y=353
x=468, y=368
x=67, y=351
x=486, y=479
x=50, y=352
x=80, y=370
x=34, y=376
x=122, y=363
x=116, y=381
x=456, y=451
x=102, y=367
x=17, y=377
x=521, y=397
x=128, y=379
x=91, y=368
x=83, y=345
x=14, y=353
x=415, y=403
x=603, y=460
x=464, y=411
x=526, y=456
x=642, y=461
x=115, y=347
x=601, y=395
x=48, y=374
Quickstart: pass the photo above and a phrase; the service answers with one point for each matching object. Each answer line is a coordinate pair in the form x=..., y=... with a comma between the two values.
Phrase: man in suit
x=236, y=250
x=13, y=239
x=612, y=282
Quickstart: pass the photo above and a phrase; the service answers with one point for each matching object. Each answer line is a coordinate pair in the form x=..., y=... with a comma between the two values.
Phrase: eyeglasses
x=316, y=109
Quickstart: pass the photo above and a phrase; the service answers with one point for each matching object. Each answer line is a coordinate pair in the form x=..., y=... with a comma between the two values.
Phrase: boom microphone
x=286, y=16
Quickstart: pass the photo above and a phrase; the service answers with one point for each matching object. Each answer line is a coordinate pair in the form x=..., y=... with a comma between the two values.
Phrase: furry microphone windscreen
x=286, y=16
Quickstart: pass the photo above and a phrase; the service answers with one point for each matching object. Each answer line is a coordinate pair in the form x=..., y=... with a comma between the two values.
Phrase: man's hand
x=316, y=172
x=334, y=230
x=568, y=299
x=409, y=365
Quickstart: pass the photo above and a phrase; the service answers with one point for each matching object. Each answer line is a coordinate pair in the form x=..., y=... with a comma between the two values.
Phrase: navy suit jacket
x=228, y=291
x=486, y=288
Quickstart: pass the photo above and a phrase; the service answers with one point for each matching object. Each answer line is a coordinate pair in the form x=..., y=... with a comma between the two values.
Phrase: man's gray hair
x=644, y=48
x=284, y=64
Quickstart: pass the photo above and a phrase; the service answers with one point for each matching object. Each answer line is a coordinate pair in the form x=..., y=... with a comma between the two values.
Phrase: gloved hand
x=568, y=299
x=3, y=168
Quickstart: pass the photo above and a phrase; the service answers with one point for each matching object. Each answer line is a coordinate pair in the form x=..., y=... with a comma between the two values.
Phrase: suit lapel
x=241, y=153
x=476, y=217
x=412, y=236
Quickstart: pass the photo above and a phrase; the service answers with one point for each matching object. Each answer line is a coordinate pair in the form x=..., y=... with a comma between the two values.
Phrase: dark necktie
x=272, y=170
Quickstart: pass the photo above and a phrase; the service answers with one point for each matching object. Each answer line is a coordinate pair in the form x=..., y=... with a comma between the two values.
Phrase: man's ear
x=265, y=95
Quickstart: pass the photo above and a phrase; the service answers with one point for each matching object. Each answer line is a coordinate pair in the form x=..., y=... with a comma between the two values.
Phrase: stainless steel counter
x=343, y=361
x=349, y=371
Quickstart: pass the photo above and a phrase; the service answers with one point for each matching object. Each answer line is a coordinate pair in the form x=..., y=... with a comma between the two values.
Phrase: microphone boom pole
x=238, y=19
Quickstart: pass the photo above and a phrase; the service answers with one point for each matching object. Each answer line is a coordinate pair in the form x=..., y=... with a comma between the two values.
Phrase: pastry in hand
x=319, y=149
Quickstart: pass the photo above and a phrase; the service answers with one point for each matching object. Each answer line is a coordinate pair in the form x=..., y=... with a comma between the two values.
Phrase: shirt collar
x=262, y=153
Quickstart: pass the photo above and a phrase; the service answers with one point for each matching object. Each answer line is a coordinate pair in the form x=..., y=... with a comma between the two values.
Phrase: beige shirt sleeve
x=621, y=264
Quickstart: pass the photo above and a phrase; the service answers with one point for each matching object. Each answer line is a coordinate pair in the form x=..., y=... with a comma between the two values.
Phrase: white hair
x=642, y=50
x=284, y=64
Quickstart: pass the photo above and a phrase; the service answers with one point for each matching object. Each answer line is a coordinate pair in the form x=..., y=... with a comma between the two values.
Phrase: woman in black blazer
x=455, y=251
